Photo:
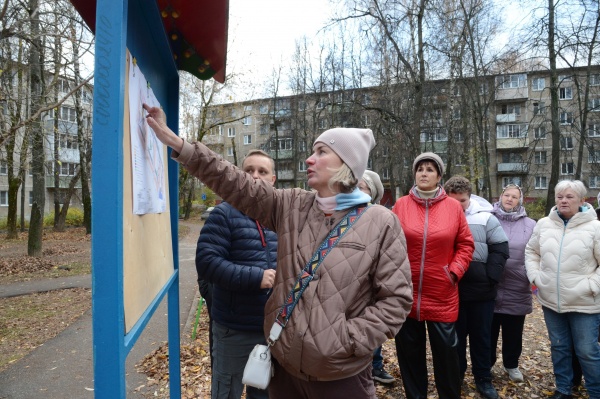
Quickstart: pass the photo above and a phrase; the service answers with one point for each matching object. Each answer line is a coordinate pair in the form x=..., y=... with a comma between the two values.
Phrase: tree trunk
x=555, y=164
x=62, y=214
x=36, y=222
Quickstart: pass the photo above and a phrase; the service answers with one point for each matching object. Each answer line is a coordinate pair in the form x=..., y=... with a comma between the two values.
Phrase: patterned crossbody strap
x=307, y=274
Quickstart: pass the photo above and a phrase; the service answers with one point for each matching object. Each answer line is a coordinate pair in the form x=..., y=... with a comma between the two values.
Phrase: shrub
x=536, y=209
x=74, y=218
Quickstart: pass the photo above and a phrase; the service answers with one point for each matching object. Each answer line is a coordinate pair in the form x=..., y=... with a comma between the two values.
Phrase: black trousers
x=206, y=292
x=411, y=348
x=512, y=338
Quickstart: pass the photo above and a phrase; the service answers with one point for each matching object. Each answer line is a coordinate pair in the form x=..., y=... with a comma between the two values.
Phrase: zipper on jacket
x=560, y=248
x=422, y=266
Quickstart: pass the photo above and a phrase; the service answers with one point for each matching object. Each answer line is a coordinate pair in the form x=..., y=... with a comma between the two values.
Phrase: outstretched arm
x=157, y=120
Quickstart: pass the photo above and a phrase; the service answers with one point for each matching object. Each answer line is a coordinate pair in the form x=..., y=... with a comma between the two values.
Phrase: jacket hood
x=478, y=204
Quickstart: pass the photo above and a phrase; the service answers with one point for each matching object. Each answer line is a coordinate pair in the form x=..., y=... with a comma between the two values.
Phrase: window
x=320, y=105
x=68, y=169
x=68, y=141
x=511, y=81
x=3, y=167
x=302, y=146
x=511, y=131
x=566, y=118
x=285, y=144
x=484, y=88
x=457, y=91
x=567, y=168
x=247, y=121
x=565, y=93
x=595, y=80
x=434, y=135
x=385, y=151
x=539, y=108
x=511, y=109
x=456, y=114
x=539, y=157
x=538, y=84
x=30, y=198
x=3, y=107
x=594, y=104
x=366, y=120
x=264, y=109
x=566, y=143
x=230, y=151
x=539, y=132
x=247, y=108
x=3, y=198
x=594, y=156
x=366, y=99
x=247, y=139
x=86, y=96
x=511, y=180
x=264, y=129
x=230, y=132
x=64, y=86
x=594, y=181
x=66, y=114
x=301, y=166
x=322, y=123
x=594, y=130
x=565, y=78
x=541, y=182
x=301, y=105
x=512, y=157
x=459, y=136
x=385, y=173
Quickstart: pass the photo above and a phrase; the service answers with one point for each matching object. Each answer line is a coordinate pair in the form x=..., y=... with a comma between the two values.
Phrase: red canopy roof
x=197, y=32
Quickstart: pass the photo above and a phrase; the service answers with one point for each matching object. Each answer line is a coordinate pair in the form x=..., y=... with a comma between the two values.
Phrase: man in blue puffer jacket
x=237, y=256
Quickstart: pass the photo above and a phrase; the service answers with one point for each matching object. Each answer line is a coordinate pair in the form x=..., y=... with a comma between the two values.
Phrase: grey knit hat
x=429, y=156
x=351, y=145
x=374, y=182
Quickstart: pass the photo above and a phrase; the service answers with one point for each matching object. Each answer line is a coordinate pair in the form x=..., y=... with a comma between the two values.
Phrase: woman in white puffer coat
x=562, y=260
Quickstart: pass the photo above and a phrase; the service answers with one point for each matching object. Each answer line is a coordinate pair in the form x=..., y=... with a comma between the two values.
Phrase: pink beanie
x=352, y=145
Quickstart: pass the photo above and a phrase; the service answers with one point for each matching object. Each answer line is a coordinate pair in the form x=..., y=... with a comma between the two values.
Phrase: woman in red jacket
x=440, y=247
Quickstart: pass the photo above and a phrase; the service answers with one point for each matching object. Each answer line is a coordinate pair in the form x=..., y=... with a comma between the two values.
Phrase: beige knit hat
x=352, y=145
x=374, y=182
x=429, y=156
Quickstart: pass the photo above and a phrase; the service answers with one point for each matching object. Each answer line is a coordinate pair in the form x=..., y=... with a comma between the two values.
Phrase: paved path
x=62, y=368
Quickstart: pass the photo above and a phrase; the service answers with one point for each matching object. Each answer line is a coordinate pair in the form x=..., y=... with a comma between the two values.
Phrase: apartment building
x=503, y=131
x=61, y=148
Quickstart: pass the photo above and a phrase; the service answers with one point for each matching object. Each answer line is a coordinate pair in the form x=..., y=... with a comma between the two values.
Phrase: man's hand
x=268, y=279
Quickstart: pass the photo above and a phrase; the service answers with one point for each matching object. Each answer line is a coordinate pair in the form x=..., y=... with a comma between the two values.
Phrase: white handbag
x=258, y=370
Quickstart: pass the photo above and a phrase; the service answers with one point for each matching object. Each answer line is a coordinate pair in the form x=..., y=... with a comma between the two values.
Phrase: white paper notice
x=147, y=161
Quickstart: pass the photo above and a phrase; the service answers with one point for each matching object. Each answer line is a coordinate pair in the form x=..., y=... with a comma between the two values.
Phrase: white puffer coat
x=562, y=261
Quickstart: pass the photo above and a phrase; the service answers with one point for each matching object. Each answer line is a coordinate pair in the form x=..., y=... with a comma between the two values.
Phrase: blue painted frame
x=137, y=26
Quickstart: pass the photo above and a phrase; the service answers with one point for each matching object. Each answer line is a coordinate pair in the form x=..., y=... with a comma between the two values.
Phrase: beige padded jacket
x=361, y=293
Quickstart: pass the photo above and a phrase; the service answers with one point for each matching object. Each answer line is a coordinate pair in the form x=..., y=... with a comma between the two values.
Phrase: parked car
x=204, y=215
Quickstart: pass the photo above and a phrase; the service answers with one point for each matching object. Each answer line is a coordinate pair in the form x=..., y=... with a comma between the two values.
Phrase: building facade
x=495, y=131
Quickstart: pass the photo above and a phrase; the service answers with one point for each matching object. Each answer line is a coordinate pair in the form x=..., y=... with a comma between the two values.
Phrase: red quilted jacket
x=439, y=241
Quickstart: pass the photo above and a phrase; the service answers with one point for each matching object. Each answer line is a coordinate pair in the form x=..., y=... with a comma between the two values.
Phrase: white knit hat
x=352, y=145
x=432, y=157
x=374, y=182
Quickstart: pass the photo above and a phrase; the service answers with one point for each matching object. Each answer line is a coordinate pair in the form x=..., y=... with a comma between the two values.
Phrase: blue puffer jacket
x=232, y=252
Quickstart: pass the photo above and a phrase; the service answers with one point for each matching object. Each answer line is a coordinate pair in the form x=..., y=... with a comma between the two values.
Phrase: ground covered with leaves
x=535, y=363
x=28, y=321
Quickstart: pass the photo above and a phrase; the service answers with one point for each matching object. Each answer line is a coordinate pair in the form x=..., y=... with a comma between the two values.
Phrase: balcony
x=63, y=182
x=285, y=174
x=513, y=167
x=506, y=118
x=212, y=139
x=519, y=142
x=281, y=154
x=517, y=93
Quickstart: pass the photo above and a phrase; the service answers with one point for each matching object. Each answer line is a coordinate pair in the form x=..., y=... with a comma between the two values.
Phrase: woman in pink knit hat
x=342, y=285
